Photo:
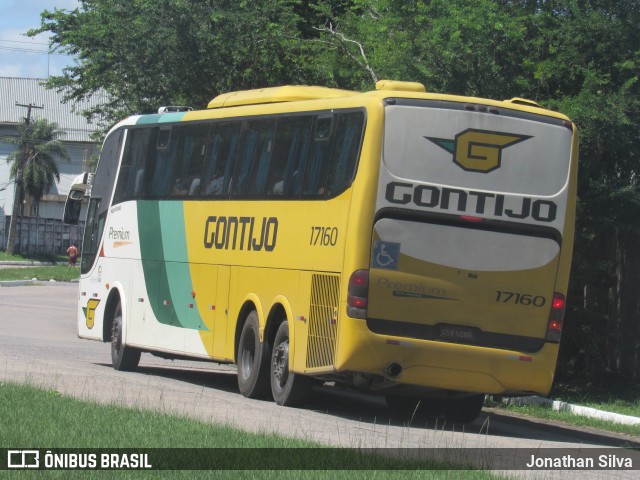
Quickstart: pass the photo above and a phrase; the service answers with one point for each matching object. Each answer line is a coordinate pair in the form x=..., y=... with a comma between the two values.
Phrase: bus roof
x=300, y=93
x=287, y=93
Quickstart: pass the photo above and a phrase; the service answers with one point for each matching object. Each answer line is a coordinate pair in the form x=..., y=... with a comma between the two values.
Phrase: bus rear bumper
x=448, y=366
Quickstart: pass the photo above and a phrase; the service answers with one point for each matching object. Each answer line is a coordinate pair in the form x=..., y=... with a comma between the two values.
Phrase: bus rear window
x=497, y=153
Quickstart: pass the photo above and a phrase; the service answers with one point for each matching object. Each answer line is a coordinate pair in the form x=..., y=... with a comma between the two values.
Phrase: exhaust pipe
x=393, y=370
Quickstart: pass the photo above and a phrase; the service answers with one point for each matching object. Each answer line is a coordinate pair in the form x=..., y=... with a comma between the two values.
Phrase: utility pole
x=18, y=193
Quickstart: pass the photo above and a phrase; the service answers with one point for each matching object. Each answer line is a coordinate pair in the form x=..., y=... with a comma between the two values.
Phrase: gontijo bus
x=413, y=244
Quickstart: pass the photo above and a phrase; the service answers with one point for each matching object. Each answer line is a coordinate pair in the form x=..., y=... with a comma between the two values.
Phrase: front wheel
x=123, y=358
x=288, y=388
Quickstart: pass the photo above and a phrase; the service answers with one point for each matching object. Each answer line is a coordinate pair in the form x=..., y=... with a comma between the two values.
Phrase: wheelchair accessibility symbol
x=385, y=255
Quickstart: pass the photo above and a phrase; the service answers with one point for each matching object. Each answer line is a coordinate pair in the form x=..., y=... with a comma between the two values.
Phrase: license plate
x=454, y=333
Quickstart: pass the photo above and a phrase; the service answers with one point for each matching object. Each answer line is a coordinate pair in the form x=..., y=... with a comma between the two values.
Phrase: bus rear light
x=558, y=301
x=556, y=316
x=469, y=218
x=555, y=325
x=357, y=300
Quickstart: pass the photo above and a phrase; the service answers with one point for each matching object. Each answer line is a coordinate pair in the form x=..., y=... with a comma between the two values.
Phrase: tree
x=147, y=53
x=32, y=164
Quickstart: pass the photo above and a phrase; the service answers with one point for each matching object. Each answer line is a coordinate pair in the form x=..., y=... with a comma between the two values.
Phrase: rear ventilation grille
x=323, y=320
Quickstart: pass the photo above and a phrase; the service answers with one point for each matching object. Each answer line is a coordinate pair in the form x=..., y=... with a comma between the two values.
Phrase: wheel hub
x=281, y=363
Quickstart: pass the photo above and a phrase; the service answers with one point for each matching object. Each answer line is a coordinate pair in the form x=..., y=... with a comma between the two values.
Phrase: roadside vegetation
x=609, y=398
x=37, y=257
x=54, y=267
x=545, y=412
x=35, y=418
x=614, y=396
x=59, y=273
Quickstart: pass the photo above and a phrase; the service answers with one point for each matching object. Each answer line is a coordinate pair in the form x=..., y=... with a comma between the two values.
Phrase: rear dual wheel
x=253, y=360
x=262, y=369
x=288, y=388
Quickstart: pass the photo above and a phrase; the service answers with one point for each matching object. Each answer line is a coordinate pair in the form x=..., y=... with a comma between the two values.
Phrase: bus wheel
x=463, y=409
x=288, y=389
x=123, y=358
x=406, y=407
x=253, y=360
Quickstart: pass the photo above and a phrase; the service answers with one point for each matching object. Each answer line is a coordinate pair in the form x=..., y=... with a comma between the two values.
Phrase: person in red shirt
x=72, y=251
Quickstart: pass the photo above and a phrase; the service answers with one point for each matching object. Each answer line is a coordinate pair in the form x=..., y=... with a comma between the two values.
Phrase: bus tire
x=288, y=389
x=123, y=358
x=406, y=407
x=253, y=360
x=463, y=409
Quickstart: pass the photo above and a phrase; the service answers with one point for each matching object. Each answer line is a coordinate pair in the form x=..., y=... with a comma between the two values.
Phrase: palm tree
x=32, y=164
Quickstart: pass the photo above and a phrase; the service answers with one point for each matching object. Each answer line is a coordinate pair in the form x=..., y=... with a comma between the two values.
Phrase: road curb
x=558, y=405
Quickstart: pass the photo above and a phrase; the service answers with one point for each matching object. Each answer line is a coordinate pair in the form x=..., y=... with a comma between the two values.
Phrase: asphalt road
x=38, y=345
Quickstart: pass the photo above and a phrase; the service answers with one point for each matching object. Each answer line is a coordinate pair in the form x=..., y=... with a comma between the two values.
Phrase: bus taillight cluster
x=357, y=300
x=554, y=327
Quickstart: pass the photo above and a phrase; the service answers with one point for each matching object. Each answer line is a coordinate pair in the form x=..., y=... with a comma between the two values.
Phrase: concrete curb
x=575, y=409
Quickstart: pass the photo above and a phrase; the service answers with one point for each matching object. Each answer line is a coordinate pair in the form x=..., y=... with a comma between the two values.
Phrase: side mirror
x=79, y=188
x=72, y=208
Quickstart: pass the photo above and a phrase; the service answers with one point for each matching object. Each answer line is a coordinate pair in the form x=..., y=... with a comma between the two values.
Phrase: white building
x=29, y=91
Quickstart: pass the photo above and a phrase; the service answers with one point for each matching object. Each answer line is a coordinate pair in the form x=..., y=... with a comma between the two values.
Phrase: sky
x=22, y=56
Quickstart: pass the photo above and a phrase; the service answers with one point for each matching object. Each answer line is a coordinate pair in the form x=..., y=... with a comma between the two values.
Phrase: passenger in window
x=178, y=188
x=278, y=188
x=195, y=187
x=216, y=184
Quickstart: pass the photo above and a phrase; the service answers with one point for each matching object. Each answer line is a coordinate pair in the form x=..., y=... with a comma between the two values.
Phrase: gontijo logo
x=90, y=312
x=478, y=150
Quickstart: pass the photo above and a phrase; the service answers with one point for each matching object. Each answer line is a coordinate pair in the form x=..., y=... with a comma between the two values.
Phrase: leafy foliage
x=146, y=53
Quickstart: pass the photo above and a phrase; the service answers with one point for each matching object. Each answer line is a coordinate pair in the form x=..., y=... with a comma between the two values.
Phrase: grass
x=545, y=412
x=37, y=257
x=34, y=418
x=572, y=419
x=60, y=273
x=58, y=270
x=622, y=396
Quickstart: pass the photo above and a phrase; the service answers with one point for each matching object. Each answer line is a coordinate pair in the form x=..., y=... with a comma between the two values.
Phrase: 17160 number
x=520, y=298
x=324, y=236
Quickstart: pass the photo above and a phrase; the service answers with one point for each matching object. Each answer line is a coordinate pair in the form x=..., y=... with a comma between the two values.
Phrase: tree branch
x=342, y=42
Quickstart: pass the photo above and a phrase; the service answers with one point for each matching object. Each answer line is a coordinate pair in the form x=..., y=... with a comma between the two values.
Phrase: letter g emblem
x=479, y=150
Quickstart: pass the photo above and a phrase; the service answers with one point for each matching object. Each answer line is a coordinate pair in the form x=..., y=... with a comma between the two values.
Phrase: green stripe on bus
x=160, y=118
x=167, y=277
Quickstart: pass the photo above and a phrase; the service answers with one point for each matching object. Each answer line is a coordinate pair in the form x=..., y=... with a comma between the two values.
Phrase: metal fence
x=41, y=235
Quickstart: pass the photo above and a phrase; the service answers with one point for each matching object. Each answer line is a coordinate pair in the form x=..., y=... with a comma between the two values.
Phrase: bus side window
x=164, y=155
x=223, y=140
x=315, y=176
x=250, y=173
x=289, y=155
x=132, y=169
x=345, y=158
x=187, y=172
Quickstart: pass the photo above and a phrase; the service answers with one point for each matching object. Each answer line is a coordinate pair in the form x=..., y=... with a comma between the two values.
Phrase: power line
x=23, y=41
x=31, y=50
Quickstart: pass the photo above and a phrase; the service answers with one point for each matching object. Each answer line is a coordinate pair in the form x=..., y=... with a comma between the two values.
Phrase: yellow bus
x=412, y=244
